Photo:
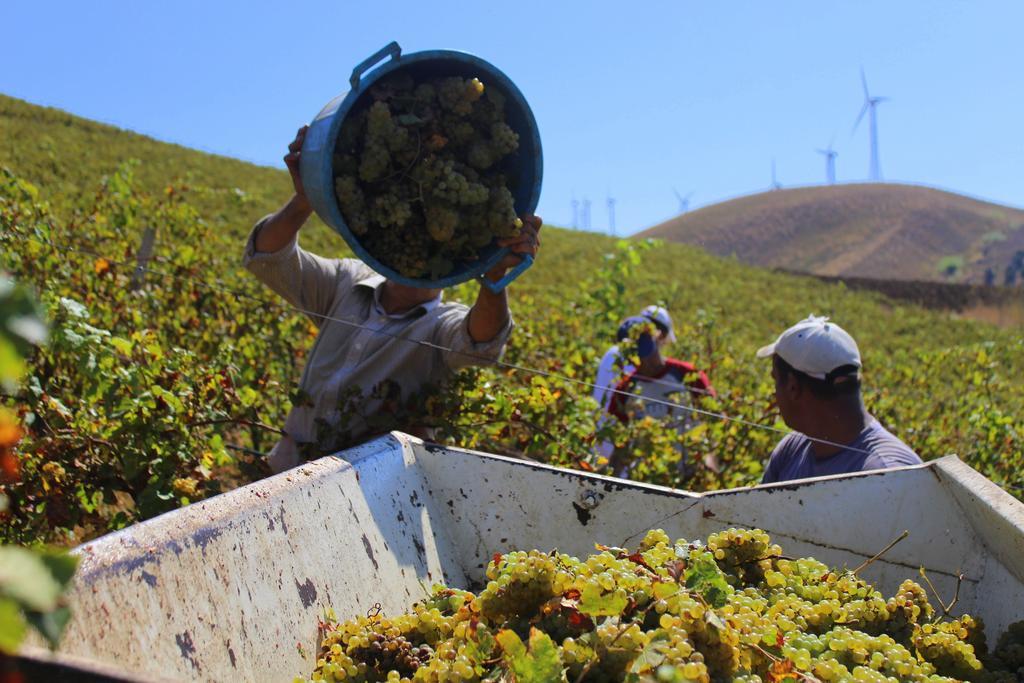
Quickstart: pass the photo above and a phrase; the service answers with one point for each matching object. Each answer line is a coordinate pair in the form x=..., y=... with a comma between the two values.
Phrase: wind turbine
x=776, y=185
x=684, y=202
x=611, y=214
x=870, y=107
x=830, y=163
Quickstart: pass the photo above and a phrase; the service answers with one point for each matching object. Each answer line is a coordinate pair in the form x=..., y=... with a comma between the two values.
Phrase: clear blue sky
x=632, y=98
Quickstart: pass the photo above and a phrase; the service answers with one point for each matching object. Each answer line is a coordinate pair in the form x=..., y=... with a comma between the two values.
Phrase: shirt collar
x=376, y=283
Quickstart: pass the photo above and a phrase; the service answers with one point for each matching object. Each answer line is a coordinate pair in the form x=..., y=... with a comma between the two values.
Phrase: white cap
x=815, y=347
x=659, y=314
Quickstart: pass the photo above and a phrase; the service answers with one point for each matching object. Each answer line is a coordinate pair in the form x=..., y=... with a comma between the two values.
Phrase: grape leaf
x=595, y=604
x=25, y=578
x=539, y=664
x=651, y=657
x=480, y=645
x=782, y=671
x=510, y=643
x=704, y=577
x=61, y=565
x=12, y=626
x=50, y=624
x=664, y=589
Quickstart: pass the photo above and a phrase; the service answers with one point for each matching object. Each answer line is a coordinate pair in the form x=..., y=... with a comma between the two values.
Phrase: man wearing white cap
x=816, y=367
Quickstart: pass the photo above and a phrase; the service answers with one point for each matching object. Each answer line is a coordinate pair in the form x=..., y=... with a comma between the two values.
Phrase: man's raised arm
x=281, y=226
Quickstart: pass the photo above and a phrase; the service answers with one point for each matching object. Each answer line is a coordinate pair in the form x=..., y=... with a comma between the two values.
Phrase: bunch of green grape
x=733, y=608
x=421, y=173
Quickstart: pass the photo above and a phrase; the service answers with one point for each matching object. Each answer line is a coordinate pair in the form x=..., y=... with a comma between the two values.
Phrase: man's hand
x=281, y=227
x=527, y=242
x=291, y=160
x=490, y=312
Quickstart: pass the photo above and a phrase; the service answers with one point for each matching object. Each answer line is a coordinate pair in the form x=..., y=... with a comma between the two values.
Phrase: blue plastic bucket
x=317, y=158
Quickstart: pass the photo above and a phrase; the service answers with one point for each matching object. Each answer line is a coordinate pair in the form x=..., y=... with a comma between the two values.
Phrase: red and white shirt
x=679, y=382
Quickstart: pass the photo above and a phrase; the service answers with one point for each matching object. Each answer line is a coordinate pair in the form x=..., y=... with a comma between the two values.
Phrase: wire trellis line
x=486, y=360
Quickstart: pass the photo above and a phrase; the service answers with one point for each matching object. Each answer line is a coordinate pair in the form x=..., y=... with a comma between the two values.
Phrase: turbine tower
x=776, y=185
x=684, y=202
x=830, y=163
x=586, y=214
x=611, y=215
x=870, y=107
x=575, y=213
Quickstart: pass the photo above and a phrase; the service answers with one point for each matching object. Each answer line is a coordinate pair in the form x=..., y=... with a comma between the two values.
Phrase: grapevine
x=420, y=173
x=732, y=608
x=102, y=453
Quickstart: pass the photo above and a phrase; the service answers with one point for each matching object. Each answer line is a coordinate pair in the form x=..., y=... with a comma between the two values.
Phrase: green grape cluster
x=519, y=583
x=733, y=608
x=744, y=554
x=458, y=95
x=946, y=646
x=420, y=173
x=1009, y=651
x=353, y=203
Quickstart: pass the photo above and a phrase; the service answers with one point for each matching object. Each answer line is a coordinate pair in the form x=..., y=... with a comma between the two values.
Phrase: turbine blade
x=864, y=82
x=860, y=116
x=678, y=196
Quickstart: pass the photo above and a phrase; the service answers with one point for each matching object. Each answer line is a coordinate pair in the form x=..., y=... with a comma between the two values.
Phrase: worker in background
x=613, y=366
x=367, y=365
x=816, y=367
x=659, y=387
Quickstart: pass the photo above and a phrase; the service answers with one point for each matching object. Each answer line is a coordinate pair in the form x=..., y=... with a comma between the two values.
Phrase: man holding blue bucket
x=380, y=343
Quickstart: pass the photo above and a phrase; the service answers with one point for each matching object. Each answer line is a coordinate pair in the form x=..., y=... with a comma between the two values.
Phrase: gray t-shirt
x=875, y=448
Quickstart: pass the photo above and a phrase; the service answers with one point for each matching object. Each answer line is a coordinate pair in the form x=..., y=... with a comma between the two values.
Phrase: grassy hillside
x=144, y=395
x=884, y=231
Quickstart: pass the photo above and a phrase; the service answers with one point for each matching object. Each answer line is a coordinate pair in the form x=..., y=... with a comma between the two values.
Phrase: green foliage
x=595, y=602
x=21, y=329
x=538, y=664
x=127, y=407
x=705, y=578
x=32, y=582
x=129, y=410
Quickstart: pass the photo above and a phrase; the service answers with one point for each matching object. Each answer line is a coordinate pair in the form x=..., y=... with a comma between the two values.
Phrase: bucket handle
x=392, y=48
x=496, y=287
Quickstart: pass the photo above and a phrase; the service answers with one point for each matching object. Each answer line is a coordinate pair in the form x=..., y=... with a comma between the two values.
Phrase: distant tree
x=1015, y=269
x=990, y=277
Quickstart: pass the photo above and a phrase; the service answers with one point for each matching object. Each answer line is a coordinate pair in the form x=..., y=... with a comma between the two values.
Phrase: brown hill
x=878, y=230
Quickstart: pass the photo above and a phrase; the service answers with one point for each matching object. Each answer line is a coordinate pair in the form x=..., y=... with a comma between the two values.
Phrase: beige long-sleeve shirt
x=373, y=353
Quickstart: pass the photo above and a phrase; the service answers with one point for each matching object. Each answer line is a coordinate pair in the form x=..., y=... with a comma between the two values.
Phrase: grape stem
x=625, y=627
x=881, y=552
x=946, y=609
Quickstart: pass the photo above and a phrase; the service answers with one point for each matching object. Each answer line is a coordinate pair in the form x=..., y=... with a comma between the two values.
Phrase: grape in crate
x=421, y=172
